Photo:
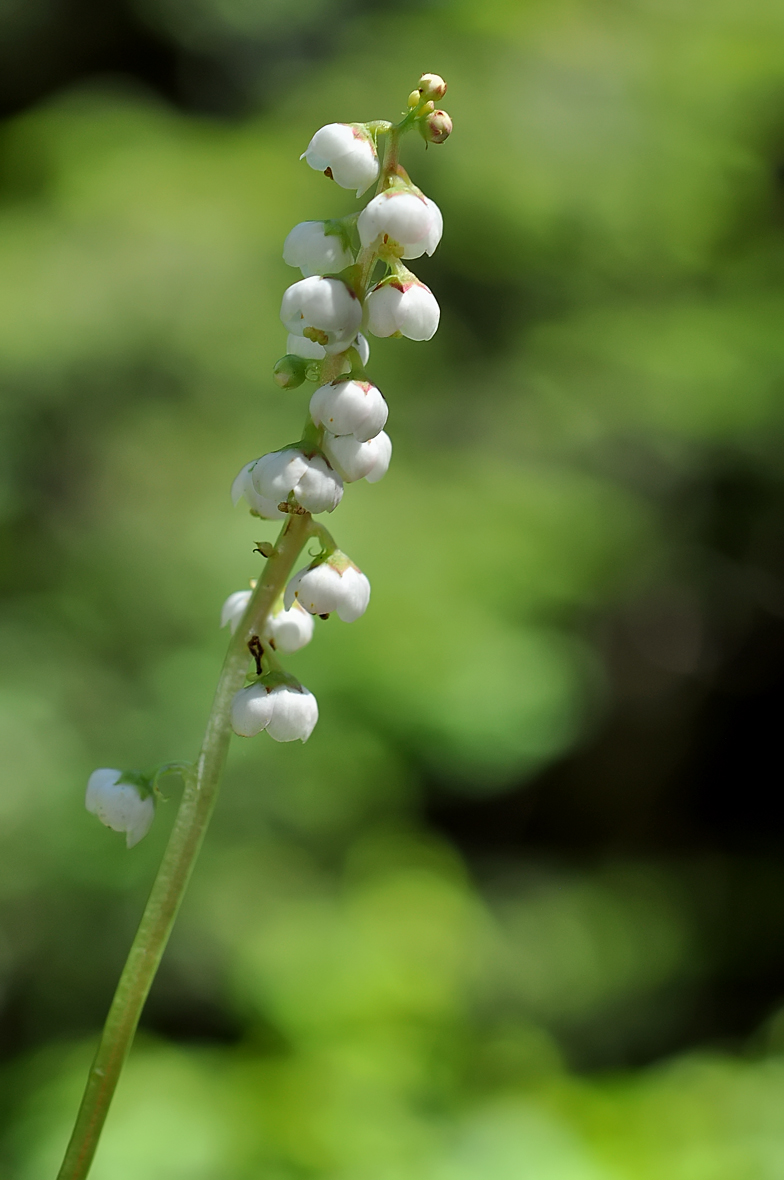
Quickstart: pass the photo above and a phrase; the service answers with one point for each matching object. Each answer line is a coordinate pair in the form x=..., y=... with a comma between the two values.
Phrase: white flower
x=403, y=305
x=119, y=805
x=261, y=505
x=332, y=585
x=314, y=251
x=359, y=460
x=325, y=309
x=316, y=487
x=362, y=346
x=289, y=630
x=414, y=222
x=234, y=608
x=286, y=713
x=350, y=407
x=347, y=151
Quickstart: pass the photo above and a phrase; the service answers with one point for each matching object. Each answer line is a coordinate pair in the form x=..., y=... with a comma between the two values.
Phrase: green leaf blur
x=375, y=1006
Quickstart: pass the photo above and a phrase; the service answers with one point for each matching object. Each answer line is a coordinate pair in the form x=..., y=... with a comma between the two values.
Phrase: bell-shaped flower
x=243, y=488
x=331, y=584
x=324, y=311
x=289, y=630
x=405, y=306
x=314, y=251
x=359, y=460
x=356, y=408
x=119, y=805
x=410, y=220
x=288, y=713
x=347, y=152
x=311, y=481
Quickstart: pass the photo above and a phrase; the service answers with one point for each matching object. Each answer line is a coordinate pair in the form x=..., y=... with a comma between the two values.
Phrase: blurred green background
x=515, y=911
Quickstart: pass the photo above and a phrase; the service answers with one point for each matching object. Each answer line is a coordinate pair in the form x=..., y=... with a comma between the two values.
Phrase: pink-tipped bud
x=432, y=86
x=436, y=127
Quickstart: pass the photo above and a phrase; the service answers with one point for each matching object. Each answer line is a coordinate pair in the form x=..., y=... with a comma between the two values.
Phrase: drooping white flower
x=403, y=305
x=325, y=309
x=119, y=805
x=234, y=608
x=350, y=407
x=348, y=151
x=314, y=251
x=261, y=505
x=287, y=713
x=412, y=221
x=289, y=630
x=359, y=460
x=301, y=346
x=316, y=487
x=335, y=584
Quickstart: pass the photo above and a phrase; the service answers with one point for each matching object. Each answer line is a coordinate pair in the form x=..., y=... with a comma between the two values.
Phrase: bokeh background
x=516, y=910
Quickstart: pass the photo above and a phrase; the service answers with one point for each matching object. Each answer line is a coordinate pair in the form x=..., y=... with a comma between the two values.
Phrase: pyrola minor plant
x=354, y=282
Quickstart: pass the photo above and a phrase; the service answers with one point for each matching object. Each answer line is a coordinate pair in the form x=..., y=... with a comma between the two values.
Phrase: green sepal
x=144, y=783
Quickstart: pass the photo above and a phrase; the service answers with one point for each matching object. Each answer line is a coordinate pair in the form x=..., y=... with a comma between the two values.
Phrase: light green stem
x=190, y=825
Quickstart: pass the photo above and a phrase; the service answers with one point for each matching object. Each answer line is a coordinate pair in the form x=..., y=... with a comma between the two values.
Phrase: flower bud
x=334, y=584
x=314, y=251
x=414, y=99
x=322, y=310
x=290, y=371
x=287, y=713
x=347, y=152
x=436, y=127
x=313, y=484
x=432, y=86
x=359, y=460
x=411, y=221
x=356, y=408
x=243, y=488
x=405, y=306
x=119, y=805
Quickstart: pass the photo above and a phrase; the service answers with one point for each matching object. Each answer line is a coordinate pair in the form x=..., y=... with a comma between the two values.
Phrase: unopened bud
x=436, y=127
x=290, y=371
x=432, y=86
x=414, y=98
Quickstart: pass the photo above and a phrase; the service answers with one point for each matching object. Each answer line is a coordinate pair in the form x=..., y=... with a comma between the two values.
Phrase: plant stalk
x=190, y=825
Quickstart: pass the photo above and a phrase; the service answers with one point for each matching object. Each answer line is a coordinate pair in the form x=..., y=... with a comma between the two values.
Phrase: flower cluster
x=354, y=283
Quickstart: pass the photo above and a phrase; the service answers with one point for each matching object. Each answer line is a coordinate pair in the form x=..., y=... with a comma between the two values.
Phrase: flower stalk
x=342, y=440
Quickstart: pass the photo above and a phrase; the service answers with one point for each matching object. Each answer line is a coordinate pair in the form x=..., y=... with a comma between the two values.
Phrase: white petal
x=316, y=588
x=350, y=407
x=290, y=629
x=234, y=608
x=294, y=715
x=251, y=710
x=383, y=456
x=301, y=346
x=351, y=458
x=355, y=595
x=319, y=488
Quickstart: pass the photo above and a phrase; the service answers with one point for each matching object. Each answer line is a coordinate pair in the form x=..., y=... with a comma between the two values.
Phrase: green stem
x=190, y=825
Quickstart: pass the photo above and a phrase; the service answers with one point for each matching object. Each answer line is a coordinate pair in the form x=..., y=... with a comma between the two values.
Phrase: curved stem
x=190, y=825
